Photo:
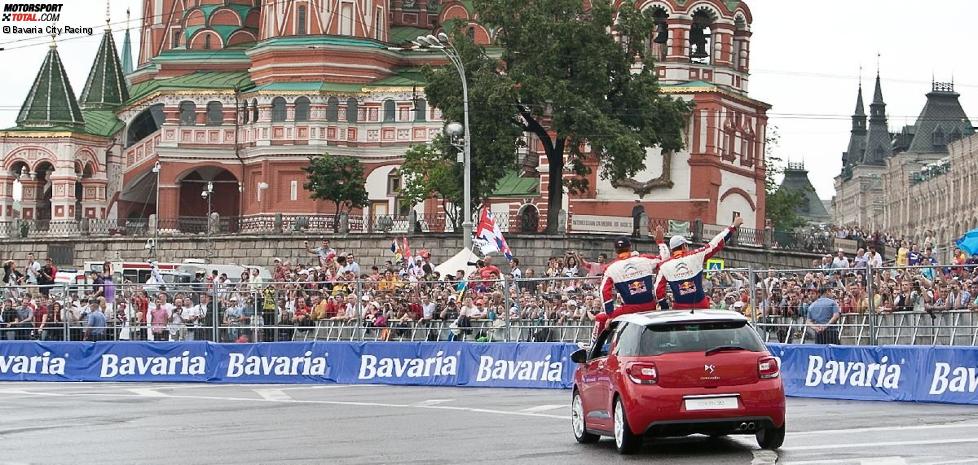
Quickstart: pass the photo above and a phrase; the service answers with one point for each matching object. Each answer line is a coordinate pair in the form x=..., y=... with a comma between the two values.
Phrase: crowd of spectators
x=331, y=285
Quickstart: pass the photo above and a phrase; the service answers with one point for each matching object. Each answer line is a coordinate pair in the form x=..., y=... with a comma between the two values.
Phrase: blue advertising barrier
x=903, y=373
x=525, y=365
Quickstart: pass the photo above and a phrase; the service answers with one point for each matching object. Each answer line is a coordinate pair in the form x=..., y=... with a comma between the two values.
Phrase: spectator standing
x=95, y=324
x=840, y=261
x=325, y=253
x=25, y=319
x=32, y=270
x=822, y=314
x=46, y=276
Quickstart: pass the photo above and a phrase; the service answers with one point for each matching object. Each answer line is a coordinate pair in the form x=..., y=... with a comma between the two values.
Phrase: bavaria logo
x=521, y=370
x=960, y=379
x=43, y=364
x=440, y=365
x=305, y=365
x=856, y=374
x=114, y=365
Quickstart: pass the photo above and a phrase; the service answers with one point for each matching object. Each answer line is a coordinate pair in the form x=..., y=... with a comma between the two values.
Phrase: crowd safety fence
x=892, y=373
x=916, y=305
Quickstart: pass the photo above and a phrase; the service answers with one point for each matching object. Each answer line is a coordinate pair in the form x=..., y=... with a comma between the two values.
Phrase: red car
x=675, y=373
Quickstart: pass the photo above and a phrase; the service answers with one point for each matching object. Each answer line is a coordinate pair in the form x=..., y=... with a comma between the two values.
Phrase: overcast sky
x=805, y=59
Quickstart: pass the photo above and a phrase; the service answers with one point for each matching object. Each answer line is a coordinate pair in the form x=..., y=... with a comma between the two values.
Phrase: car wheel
x=770, y=438
x=577, y=421
x=626, y=441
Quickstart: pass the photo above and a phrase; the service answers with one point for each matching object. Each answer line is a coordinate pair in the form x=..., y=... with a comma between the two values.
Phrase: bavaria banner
x=528, y=365
x=901, y=373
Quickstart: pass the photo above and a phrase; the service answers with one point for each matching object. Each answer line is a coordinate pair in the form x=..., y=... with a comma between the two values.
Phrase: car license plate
x=711, y=403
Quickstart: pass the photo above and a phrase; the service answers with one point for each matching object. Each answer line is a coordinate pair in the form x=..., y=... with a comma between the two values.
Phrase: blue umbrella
x=969, y=242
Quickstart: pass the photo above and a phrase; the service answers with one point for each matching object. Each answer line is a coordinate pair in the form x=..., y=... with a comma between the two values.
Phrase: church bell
x=698, y=37
x=661, y=32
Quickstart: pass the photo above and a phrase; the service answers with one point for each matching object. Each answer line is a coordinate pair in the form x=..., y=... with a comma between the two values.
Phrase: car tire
x=770, y=438
x=625, y=441
x=578, y=421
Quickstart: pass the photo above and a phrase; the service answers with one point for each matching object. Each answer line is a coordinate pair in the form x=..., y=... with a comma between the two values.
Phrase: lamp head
x=454, y=129
x=443, y=37
x=433, y=40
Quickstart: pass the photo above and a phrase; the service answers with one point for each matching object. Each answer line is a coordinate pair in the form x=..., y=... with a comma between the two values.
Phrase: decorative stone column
x=63, y=196
x=93, y=198
x=30, y=193
x=6, y=196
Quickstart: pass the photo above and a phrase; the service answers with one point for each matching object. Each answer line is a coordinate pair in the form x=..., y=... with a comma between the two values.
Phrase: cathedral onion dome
x=51, y=102
x=106, y=84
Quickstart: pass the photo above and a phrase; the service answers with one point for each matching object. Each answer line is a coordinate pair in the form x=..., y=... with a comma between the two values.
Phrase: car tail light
x=642, y=373
x=767, y=368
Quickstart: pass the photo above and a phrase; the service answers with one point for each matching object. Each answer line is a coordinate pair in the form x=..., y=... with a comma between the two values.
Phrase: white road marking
x=316, y=402
x=867, y=445
x=764, y=457
x=883, y=461
x=273, y=394
x=968, y=425
x=948, y=462
x=146, y=392
x=429, y=402
x=544, y=408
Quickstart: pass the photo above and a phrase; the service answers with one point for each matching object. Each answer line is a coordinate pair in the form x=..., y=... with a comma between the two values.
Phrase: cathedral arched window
x=207, y=42
x=302, y=109
x=332, y=109
x=420, y=109
x=215, y=113
x=254, y=110
x=278, y=109
x=390, y=110
x=245, y=113
x=188, y=113
x=351, y=110
x=300, y=20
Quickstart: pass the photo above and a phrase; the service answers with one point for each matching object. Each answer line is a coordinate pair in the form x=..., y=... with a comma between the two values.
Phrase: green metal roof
x=198, y=80
x=513, y=185
x=51, y=102
x=106, y=84
x=409, y=77
x=234, y=53
x=101, y=122
x=309, y=40
x=399, y=35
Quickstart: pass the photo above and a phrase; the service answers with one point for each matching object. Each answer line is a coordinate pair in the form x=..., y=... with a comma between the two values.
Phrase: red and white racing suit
x=683, y=274
x=632, y=276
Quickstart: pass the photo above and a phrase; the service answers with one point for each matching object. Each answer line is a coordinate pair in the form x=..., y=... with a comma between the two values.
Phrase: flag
x=489, y=237
x=395, y=250
x=406, y=250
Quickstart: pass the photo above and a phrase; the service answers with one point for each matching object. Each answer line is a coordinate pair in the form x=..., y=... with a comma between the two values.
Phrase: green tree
x=574, y=85
x=781, y=205
x=495, y=130
x=338, y=179
x=429, y=171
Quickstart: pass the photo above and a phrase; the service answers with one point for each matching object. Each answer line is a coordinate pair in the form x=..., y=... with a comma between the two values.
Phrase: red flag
x=406, y=250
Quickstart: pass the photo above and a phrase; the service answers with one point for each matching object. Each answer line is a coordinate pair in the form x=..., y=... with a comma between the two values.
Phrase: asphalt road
x=107, y=424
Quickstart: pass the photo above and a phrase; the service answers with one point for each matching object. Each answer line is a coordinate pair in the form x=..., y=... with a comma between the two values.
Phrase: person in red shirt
x=41, y=317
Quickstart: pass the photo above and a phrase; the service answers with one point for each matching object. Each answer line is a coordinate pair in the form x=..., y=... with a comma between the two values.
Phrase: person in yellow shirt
x=388, y=283
x=902, y=252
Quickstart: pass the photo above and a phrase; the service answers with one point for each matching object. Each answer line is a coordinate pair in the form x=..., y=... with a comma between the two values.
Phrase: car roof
x=680, y=316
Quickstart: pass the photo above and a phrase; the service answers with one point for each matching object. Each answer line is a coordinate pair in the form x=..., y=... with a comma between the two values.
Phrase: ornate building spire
x=857, y=135
x=878, y=142
x=106, y=85
x=51, y=101
x=127, y=49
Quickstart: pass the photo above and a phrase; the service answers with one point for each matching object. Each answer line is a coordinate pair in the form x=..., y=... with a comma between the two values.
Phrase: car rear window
x=688, y=337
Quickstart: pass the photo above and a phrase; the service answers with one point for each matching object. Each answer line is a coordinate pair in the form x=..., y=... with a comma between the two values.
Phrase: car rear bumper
x=662, y=411
x=740, y=425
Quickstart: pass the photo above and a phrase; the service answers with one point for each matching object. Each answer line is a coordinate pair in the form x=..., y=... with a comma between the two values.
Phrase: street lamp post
x=207, y=194
x=156, y=230
x=442, y=43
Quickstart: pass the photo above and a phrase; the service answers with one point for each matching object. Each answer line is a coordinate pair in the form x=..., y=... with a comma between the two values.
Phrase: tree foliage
x=338, y=179
x=428, y=172
x=495, y=132
x=575, y=85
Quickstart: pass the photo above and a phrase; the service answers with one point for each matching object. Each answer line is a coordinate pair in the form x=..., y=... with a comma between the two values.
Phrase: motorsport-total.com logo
x=37, y=13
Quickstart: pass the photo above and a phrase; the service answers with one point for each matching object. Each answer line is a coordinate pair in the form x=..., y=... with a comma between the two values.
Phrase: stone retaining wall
x=371, y=249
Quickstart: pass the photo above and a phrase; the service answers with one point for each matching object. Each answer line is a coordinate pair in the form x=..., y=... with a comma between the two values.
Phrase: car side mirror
x=579, y=356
